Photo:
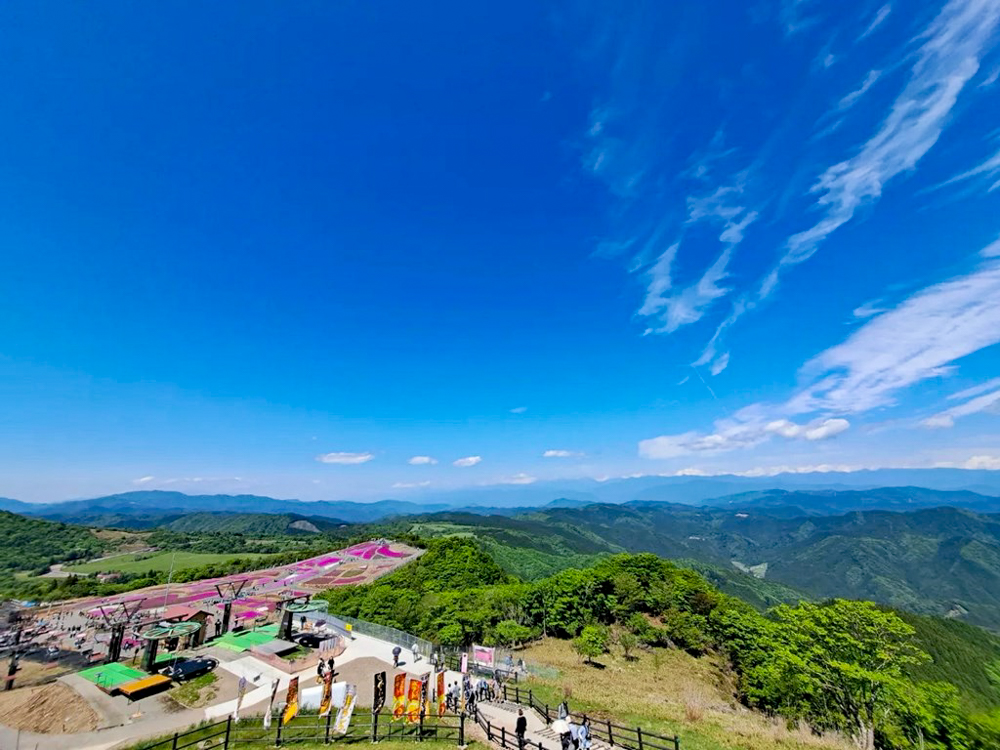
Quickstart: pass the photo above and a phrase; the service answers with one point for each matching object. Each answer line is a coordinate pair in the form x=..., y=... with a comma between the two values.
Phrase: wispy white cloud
x=945, y=62
x=746, y=430
x=677, y=307
x=519, y=410
x=990, y=79
x=687, y=305
x=991, y=463
x=519, y=479
x=199, y=480
x=409, y=485
x=917, y=340
x=947, y=58
x=992, y=250
x=989, y=385
x=988, y=170
x=878, y=20
x=852, y=98
x=720, y=364
x=558, y=453
x=143, y=480
x=798, y=15
x=467, y=461
x=344, y=458
x=868, y=309
x=946, y=418
x=422, y=461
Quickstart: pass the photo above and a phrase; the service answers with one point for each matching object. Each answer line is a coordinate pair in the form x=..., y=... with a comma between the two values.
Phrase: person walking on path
x=583, y=735
x=520, y=728
x=396, y=651
x=563, y=710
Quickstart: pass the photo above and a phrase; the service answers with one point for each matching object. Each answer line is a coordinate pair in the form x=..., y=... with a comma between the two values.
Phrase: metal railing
x=616, y=735
x=392, y=635
x=506, y=739
x=314, y=729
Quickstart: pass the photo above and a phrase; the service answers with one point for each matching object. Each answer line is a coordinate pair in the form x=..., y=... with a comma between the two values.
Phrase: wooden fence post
x=229, y=729
x=677, y=742
x=173, y=745
x=277, y=739
x=638, y=734
x=329, y=719
x=503, y=736
x=611, y=737
x=461, y=730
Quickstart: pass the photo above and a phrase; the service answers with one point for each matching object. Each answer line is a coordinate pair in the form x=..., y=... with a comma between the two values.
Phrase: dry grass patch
x=668, y=692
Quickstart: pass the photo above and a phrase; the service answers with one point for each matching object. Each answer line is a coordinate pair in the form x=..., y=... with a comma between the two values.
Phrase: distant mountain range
x=801, y=490
x=943, y=561
x=149, y=508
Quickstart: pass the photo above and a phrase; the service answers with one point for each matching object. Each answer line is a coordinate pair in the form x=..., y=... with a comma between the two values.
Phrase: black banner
x=379, y=699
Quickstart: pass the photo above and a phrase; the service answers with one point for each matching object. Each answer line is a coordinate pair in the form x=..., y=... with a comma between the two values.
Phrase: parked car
x=187, y=669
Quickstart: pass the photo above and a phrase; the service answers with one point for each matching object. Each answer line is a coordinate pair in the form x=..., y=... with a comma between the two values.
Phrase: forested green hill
x=941, y=561
x=840, y=665
x=32, y=544
x=255, y=524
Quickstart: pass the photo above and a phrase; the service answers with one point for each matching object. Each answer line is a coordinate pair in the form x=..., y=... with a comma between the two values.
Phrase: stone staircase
x=504, y=714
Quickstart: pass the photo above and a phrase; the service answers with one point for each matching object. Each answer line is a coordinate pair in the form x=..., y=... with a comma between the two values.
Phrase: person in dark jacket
x=396, y=651
x=520, y=728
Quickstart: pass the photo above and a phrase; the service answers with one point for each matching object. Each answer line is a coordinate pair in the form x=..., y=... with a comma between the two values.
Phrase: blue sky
x=354, y=249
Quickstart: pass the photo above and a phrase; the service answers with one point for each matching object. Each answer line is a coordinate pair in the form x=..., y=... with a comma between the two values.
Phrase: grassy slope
x=160, y=561
x=667, y=692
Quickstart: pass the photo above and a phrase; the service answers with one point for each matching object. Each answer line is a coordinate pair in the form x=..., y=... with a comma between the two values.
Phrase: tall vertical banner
x=241, y=690
x=378, y=699
x=327, y=700
x=343, y=719
x=465, y=663
x=441, y=694
x=425, y=697
x=291, y=702
x=399, y=697
x=413, y=701
x=270, y=704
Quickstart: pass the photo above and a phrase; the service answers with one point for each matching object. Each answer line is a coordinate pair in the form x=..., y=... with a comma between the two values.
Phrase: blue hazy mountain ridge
x=830, y=502
x=979, y=487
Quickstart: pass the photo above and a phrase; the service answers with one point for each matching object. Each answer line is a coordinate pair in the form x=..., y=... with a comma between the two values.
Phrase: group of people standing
x=474, y=690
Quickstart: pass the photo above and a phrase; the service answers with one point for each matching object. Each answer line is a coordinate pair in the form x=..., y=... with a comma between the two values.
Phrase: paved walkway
x=153, y=722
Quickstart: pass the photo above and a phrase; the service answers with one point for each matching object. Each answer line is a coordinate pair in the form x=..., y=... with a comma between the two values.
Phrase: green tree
x=856, y=654
x=592, y=642
x=627, y=641
x=509, y=633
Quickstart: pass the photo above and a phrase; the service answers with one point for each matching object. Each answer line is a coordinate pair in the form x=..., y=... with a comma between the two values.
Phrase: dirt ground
x=32, y=672
x=53, y=709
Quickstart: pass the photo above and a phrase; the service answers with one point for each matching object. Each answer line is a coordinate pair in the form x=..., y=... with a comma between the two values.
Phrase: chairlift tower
x=117, y=617
x=295, y=604
x=229, y=592
x=152, y=636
